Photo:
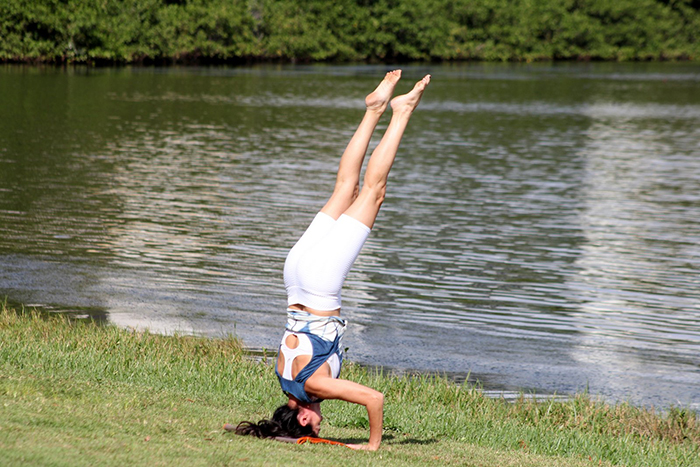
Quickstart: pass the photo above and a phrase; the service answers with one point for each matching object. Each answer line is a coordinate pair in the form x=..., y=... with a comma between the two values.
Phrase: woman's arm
x=326, y=387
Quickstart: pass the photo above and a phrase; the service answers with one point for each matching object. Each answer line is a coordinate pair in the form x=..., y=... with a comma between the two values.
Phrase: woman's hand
x=362, y=447
x=329, y=388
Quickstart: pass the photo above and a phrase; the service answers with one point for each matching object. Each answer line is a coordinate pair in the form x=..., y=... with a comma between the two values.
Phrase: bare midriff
x=300, y=307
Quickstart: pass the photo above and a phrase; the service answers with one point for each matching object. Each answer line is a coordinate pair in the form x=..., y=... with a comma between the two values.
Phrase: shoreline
x=77, y=393
x=199, y=61
x=460, y=379
x=173, y=61
x=468, y=380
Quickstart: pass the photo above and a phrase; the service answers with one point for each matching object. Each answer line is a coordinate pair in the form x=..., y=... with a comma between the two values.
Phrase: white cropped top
x=304, y=348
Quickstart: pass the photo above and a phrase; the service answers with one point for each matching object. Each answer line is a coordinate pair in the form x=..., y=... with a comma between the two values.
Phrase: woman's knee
x=375, y=192
x=347, y=189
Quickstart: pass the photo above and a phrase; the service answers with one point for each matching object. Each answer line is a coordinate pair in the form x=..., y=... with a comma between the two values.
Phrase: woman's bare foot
x=410, y=101
x=378, y=99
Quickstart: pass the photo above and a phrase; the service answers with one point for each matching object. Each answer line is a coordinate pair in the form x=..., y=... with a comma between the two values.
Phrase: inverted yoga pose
x=309, y=360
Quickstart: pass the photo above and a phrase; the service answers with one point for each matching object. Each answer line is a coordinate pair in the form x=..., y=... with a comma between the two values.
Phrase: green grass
x=75, y=393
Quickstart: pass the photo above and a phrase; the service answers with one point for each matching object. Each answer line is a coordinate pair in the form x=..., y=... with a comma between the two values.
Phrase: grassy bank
x=375, y=30
x=74, y=393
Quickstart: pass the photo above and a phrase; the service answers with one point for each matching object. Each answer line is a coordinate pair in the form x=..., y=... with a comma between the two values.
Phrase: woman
x=310, y=356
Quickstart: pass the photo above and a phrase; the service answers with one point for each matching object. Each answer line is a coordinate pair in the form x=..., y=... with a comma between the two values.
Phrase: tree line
x=126, y=31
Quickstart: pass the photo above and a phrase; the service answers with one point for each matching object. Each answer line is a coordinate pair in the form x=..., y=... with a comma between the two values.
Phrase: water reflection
x=540, y=230
x=635, y=280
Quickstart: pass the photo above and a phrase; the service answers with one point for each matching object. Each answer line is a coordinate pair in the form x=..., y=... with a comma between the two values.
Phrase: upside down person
x=309, y=359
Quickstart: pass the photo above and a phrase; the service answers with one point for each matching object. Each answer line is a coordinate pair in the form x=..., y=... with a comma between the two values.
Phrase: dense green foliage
x=342, y=30
x=74, y=393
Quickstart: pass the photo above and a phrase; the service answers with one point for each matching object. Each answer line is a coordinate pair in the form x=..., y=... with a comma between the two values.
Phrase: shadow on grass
x=417, y=441
x=389, y=439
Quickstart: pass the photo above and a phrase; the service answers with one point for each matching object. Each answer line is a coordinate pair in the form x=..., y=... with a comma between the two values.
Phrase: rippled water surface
x=541, y=230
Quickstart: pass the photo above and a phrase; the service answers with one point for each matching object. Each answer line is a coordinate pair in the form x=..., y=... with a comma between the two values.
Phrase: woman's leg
x=348, y=180
x=368, y=202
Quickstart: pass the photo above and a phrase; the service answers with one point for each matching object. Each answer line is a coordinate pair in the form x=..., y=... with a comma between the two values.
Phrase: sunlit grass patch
x=75, y=393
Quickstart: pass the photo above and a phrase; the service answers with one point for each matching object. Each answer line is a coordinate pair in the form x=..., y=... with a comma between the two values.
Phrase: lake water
x=541, y=230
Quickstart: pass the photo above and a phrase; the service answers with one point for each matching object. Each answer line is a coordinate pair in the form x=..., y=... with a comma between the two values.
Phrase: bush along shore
x=125, y=31
x=77, y=393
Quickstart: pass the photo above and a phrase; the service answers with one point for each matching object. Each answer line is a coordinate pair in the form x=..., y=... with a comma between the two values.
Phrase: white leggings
x=317, y=265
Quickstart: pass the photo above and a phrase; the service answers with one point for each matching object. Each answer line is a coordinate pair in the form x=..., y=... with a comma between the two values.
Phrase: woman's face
x=311, y=415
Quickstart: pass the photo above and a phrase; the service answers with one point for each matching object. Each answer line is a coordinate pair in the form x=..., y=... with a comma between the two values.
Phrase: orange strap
x=312, y=440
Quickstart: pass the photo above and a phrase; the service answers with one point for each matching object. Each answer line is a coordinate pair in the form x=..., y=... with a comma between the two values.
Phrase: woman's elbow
x=377, y=399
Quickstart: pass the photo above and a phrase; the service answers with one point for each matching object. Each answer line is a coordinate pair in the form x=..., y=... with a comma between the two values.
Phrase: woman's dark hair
x=283, y=423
